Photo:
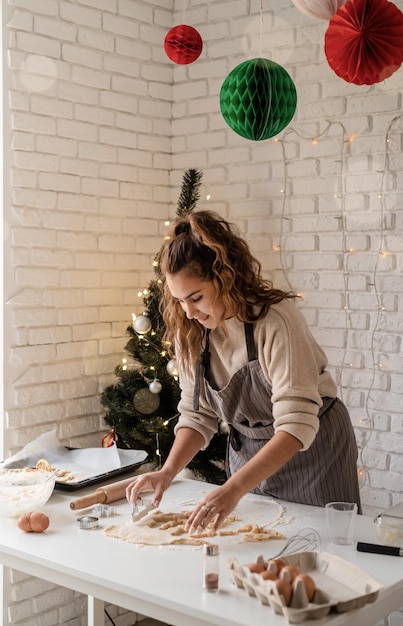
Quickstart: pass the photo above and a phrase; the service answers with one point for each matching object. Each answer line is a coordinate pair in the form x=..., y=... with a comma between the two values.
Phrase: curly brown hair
x=211, y=249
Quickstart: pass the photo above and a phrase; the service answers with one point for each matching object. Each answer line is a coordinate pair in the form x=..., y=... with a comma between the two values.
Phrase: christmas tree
x=141, y=407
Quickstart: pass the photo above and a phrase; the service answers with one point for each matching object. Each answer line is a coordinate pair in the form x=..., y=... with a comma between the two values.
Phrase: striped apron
x=326, y=472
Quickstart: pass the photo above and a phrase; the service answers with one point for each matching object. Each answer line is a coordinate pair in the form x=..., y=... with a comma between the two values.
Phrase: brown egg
x=284, y=589
x=309, y=584
x=268, y=575
x=256, y=568
x=289, y=573
x=278, y=565
x=33, y=522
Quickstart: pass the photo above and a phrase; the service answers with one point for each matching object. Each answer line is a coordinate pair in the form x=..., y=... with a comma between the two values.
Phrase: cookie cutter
x=87, y=522
x=104, y=510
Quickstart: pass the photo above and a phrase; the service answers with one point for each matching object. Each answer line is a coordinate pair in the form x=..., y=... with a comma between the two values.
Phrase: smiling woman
x=92, y=161
x=198, y=298
x=246, y=356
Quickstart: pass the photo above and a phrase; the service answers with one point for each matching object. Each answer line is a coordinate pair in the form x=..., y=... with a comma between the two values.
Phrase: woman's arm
x=220, y=502
x=186, y=444
x=274, y=454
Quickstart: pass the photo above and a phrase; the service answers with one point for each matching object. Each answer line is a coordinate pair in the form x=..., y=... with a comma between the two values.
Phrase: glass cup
x=340, y=519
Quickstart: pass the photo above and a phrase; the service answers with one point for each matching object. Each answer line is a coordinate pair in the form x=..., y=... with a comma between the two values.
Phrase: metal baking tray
x=130, y=460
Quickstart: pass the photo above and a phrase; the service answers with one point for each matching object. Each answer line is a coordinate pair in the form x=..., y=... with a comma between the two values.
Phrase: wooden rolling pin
x=103, y=495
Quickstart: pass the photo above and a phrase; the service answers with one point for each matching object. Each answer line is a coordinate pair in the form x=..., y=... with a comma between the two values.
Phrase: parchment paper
x=83, y=463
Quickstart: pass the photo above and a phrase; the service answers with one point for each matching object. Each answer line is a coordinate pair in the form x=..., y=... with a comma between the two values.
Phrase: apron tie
x=202, y=368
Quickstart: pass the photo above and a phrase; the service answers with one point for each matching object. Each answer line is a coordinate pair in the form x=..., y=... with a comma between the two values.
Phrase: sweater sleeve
x=296, y=369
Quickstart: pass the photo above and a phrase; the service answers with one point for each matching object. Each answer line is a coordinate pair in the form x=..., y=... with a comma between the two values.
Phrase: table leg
x=95, y=611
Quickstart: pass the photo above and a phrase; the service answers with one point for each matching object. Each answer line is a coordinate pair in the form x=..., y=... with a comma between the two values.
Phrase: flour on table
x=159, y=529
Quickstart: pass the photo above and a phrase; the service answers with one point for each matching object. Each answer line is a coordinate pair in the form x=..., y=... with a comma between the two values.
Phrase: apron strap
x=203, y=364
x=202, y=367
x=250, y=344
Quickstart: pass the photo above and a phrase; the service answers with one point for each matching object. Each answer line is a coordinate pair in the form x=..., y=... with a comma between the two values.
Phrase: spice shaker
x=211, y=567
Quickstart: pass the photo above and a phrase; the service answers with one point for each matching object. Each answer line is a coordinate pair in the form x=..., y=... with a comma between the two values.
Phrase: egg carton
x=340, y=586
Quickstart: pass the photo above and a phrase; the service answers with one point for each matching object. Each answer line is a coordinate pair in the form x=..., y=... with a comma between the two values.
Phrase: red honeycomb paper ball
x=183, y=44
x=363, y=42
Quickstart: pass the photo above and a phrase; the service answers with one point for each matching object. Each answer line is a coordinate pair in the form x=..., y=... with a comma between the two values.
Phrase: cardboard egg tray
x=340, y=586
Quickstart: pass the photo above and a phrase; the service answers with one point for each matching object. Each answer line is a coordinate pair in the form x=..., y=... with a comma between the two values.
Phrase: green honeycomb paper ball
x=258, y=99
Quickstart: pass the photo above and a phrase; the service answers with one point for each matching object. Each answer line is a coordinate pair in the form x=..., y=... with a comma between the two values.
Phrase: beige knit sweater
x=291, y=360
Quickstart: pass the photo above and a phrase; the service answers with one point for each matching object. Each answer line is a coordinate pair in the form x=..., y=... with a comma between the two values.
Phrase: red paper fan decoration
x=319, y=9
x=183, y=44
x=364, y=41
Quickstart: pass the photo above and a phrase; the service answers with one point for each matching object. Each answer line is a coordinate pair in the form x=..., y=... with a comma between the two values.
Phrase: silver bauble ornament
x=172, y=367
x=142, y=324
x=155, y=386
x=223, y=427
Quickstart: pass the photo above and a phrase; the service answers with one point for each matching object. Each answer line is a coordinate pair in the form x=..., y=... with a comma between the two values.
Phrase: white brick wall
x=88, y=160
x=102, y=126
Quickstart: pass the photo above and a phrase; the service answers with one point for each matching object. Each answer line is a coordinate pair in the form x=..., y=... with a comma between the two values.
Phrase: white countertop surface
x=166, y=582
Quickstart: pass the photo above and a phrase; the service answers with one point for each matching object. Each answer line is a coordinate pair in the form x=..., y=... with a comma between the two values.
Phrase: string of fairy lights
x=344, y=140
x=341, y=217
x=382, y=251
x=378, y=252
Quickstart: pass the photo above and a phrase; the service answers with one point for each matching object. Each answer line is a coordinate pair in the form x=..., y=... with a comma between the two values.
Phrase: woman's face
x=197, y=298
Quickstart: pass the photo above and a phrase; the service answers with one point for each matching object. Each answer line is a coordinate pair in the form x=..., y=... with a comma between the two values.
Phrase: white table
x=166, y=583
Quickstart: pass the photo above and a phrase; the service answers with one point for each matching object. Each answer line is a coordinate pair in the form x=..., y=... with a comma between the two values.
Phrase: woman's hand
x=158, y=482
x=216, y=505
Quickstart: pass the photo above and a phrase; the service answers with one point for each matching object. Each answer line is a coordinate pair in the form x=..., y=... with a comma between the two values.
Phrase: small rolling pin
x=103, y=495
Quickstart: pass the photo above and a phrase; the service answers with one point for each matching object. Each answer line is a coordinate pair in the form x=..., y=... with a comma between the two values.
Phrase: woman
x=246, y=356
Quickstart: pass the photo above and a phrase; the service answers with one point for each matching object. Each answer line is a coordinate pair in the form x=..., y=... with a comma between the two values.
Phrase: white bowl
x=389, y=530
x=24, y=490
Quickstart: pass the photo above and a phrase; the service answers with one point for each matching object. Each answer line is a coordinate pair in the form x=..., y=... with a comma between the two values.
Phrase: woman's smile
x=197, y=298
